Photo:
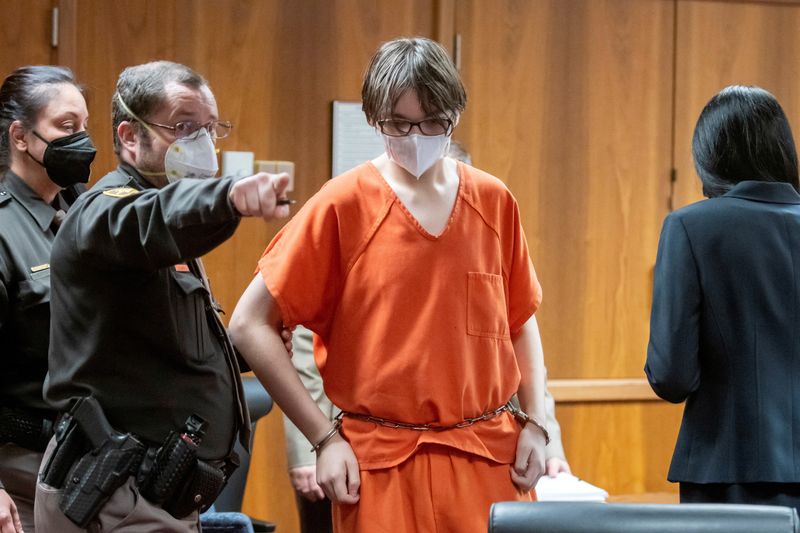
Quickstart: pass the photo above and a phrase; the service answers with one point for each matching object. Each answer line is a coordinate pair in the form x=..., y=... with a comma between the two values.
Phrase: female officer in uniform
x=45, y=155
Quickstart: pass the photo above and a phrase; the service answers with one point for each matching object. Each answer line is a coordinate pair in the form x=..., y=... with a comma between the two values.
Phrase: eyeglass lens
x=217, y=130
x=429, y=126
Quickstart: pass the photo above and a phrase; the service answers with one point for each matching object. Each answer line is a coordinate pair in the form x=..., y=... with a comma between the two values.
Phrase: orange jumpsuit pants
x=439, y=489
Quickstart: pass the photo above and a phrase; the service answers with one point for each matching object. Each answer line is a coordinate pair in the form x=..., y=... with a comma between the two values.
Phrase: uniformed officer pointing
x=134, y=322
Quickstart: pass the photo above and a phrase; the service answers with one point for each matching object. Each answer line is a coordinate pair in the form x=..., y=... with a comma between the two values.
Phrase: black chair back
x=569, y=517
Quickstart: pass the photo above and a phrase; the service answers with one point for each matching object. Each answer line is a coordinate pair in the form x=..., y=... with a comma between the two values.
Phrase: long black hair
x=24, y=93
x=743, y=134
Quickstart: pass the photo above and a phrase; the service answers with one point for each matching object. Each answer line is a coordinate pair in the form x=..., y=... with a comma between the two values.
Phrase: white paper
x=568, y=488
x=354, y=140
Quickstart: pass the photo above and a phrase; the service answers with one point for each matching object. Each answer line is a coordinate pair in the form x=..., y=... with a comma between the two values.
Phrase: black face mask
x=68, y=160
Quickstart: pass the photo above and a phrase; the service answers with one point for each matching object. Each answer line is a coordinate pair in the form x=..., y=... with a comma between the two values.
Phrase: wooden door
x=570, y=103
x=727, y=43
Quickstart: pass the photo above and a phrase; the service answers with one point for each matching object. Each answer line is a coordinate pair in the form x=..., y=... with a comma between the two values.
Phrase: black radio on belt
x=177, y=480
x=176, y=457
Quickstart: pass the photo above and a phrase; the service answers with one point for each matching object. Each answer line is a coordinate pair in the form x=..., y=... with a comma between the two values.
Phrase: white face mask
x=416, y=153
x=194, y=156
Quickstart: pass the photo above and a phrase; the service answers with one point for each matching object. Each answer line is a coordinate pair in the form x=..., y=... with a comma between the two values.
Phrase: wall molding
x=601, y=390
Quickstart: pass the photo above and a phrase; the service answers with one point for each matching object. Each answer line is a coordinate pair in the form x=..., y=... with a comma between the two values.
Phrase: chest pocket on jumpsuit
x=487, y=314
x=195, y=338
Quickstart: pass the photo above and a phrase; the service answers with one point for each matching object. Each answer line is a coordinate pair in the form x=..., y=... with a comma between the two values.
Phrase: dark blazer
x=725, y=334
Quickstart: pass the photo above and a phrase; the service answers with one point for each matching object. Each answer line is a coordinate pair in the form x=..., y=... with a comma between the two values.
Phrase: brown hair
x=142, y=89
x=415, y=63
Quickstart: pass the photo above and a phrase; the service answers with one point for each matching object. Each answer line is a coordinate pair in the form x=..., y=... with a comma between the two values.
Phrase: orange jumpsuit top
x=411, y=327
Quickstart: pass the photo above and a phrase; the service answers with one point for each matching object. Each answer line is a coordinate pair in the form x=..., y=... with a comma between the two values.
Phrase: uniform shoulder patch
x=120, y=192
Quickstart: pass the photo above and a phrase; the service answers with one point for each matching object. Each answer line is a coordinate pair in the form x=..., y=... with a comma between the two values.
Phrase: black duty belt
x=91, y=460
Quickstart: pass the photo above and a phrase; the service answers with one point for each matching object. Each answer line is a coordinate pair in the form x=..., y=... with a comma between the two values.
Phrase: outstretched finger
x=280, y=182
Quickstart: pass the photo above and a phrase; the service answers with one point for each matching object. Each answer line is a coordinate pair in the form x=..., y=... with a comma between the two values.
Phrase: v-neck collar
x=411, y=218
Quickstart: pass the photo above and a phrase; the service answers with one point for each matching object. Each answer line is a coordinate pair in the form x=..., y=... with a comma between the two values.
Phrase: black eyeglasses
x=430, y=126
x=218, y=129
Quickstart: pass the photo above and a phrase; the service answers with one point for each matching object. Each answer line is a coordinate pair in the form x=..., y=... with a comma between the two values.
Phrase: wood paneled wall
x=581, y=136
x=570, y=103
x=25, y=34
x=583, y=107
x=721, y=44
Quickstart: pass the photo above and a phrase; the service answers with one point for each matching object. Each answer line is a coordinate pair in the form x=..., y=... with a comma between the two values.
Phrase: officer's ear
x=16, y=136
x=126, y=133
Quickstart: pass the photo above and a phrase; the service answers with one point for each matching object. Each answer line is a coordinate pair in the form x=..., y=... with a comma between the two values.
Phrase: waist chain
x=394, y=424
x=509, y=407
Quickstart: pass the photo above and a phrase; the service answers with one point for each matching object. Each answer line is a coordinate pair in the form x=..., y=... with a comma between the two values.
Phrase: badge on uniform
x=120, y=192
x=39, y=268
x=183, y=267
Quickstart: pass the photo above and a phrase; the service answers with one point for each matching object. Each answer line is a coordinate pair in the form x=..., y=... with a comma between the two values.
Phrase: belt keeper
x=328, y=436
x=525, y=418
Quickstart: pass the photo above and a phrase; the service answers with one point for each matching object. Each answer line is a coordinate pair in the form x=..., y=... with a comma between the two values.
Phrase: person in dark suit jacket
x=725, y=322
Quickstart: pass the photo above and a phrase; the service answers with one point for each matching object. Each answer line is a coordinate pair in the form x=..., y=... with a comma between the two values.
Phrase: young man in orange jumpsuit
x=413, y=270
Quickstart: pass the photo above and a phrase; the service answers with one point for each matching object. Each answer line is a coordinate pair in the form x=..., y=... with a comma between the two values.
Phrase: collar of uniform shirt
x=42, y=212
